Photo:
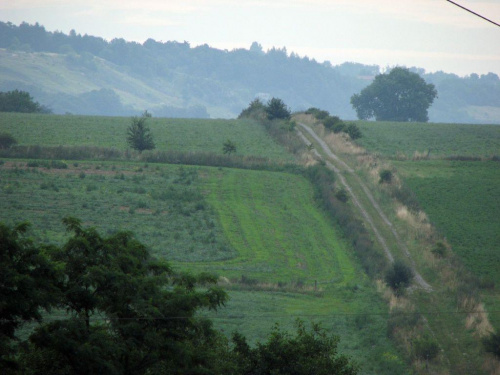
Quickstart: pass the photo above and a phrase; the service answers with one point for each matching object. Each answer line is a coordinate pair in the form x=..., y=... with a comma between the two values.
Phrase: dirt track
x=339, y=167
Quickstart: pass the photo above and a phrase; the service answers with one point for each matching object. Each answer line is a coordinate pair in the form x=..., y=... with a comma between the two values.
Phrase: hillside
x=260, y=229
x=88, y=75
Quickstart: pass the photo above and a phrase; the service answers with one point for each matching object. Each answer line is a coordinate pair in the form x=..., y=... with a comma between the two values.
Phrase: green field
x=191, y=135
x=462, y=201
x=393, y=139
x=260, y=230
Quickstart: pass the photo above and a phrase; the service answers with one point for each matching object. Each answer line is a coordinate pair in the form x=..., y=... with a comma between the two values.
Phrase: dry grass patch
x=418, y=223
x=477, y=320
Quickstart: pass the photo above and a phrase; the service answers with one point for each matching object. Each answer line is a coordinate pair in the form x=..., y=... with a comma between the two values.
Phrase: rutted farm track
x=356, y=189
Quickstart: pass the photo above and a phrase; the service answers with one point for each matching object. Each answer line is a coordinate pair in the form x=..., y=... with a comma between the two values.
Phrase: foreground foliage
x=128, y=313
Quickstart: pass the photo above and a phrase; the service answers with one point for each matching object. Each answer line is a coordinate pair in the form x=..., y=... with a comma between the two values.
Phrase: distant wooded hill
x=85, y=74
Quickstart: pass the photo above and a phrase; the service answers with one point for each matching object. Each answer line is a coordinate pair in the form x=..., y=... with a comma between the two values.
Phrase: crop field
x=280, y=256
x=402, y=140
x=190, y=135
x=462, y=201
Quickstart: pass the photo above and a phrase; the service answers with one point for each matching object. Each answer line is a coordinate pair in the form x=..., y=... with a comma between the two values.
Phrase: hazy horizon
x=434, y=35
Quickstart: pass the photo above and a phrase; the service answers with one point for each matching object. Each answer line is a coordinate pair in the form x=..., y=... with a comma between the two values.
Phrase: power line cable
x=476, y=14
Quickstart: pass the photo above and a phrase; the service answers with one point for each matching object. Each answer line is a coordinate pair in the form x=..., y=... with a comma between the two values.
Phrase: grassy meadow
x=189, y=135
x=457, y=185
x=277, y=253
x=406, y=140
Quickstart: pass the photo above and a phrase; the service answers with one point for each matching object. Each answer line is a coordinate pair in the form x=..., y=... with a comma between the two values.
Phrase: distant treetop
x=20, y=101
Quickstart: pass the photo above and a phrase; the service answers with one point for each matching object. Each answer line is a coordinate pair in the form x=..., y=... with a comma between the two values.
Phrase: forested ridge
x=203, y=81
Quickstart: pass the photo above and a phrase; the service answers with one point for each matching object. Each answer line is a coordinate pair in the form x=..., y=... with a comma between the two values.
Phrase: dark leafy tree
x=139, y=135
x=399, y=276
x=228, y=147
x=397, y=96
x=128, y=313
x=26, y=286
x=7, y=141
x=20, y=101
x=277, y=109
x=306, y=352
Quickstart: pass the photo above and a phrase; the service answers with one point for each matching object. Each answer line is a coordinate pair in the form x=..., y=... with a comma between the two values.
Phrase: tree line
x=230, y=79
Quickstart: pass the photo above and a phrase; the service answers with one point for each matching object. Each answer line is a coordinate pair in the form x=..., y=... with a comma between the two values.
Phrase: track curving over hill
x=339, y=166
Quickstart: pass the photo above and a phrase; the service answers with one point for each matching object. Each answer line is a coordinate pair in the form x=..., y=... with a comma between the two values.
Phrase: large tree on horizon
x=400, y=95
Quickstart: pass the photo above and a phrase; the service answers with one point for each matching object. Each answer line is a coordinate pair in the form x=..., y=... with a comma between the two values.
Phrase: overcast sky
x=432, y=34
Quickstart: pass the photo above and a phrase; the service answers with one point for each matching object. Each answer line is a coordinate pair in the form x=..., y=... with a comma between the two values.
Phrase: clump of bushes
x=334, y=123
x=399, y=277
x=385, y=176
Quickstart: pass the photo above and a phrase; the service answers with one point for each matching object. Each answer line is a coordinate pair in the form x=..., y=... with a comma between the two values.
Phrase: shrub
x=139, y=135
x=439, y=249
x=399, y=276
x=385, y=176
x=338, y=127
x=342, y=195
x=277, y=109
x=255, y=110
x=57, y=164
x=426, y=348
x=7, y=141
x=353, y=131
x=492, y=344
x=330, y=121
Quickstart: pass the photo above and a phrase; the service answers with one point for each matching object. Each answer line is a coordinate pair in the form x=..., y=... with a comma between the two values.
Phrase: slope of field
x=169, y=134
x=461, y=199
x=280, y=255
x=402, y=140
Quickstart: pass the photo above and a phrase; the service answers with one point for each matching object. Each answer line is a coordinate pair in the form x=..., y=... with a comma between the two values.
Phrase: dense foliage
x=20, y=101
x=127, y=313
x=399, y=276
x=400, y=95
x=204, y=77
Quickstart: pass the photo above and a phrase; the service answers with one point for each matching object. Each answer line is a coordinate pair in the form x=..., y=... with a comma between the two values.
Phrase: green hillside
x=187, y=135
x=279, y=256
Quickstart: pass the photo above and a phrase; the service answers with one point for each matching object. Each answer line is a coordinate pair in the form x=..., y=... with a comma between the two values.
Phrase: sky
x=431, y=34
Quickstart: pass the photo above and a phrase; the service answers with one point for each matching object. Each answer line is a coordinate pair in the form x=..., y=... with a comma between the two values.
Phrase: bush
x=277, y=109
x=399, y=276
x=255, y=110
x=426, y=348
x=492, y=344
x=7, y=141
x=330, y=121
x=342, y=195
x=439, y=249
x=139, y=135
x=338, y=127
x=385, y=176
x=353, y=131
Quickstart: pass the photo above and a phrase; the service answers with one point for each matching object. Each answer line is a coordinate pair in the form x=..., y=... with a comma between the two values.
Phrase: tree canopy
x=20, y=101
x=399, y=95
x=129, y=313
